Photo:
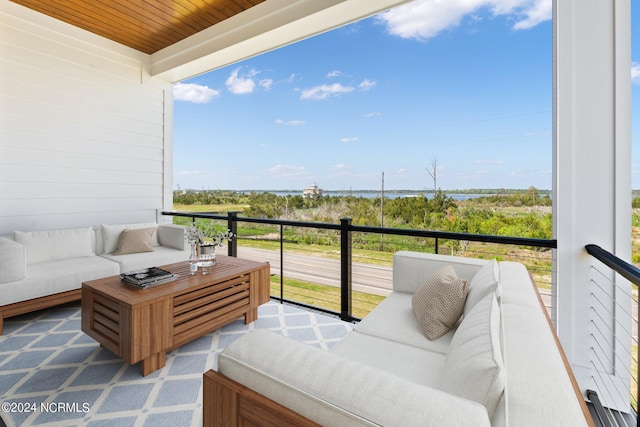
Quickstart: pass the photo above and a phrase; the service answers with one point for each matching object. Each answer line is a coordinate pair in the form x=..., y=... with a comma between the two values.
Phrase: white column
x=592, y=185
x=167, y=188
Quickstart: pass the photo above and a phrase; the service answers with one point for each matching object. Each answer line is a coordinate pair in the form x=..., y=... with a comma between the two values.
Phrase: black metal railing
x=626, y=270
x=345, y=230
x=601, y=285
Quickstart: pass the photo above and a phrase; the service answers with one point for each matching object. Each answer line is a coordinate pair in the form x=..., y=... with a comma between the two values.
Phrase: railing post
x=345, y=269
x=281, y=263
x=232, y=225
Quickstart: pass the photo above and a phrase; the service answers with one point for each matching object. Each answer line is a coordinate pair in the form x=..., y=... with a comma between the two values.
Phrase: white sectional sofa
x=40, y=269
x=500, y=365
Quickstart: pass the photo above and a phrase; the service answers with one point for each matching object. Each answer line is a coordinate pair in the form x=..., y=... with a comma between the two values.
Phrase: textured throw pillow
x=438, y=304
x=111, y=234
x=134, y=241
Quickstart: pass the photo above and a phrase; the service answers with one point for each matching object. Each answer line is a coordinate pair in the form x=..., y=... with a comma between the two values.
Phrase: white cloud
x=350, y=139
x=240, y=82
x=635, y=73
x=290, y=122
x=266, y=84
x=424, y=19
x=239, y=85
x=373, y=114
x=366, y=84
x=519, y=174
x=534, y=14
x=334, y=73
x=287, y=170
x=325, y=91
x=195, y=93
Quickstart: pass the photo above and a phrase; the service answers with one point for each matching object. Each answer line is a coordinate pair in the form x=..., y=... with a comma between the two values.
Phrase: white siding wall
x=83, y=129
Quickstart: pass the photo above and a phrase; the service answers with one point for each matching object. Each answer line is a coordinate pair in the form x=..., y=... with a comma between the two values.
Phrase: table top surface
x=225, y=268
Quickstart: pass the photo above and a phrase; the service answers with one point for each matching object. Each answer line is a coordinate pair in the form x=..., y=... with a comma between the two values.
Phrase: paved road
x=367, y=278
x=364, y=277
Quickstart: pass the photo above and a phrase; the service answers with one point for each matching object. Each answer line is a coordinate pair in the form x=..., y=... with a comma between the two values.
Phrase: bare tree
x=433, y=172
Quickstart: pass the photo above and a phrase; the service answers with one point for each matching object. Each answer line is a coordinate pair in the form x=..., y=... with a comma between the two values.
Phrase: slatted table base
x=142, y=325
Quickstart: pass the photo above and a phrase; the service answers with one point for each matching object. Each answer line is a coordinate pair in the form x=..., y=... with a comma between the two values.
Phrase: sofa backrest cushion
x=411, y=269
x=111, y=234
x=439, y=302
x=474, y=366
x=54, y=245
x=485, y=282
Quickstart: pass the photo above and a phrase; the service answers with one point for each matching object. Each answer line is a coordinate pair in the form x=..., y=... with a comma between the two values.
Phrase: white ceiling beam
x=262, y=28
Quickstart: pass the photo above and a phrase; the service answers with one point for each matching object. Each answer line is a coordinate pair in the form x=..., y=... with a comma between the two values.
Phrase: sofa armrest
x=332, y=390
x=411, y=269
x=172, y=236
x=13, y=261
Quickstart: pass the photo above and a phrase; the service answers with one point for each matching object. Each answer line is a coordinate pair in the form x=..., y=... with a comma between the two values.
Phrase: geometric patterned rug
x=52, y=374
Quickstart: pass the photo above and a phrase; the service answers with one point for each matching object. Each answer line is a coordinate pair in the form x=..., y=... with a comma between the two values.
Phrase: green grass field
x=209, y=208
x=323, y=296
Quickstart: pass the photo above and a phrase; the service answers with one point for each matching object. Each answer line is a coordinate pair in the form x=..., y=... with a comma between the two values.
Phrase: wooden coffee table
x=143, y=324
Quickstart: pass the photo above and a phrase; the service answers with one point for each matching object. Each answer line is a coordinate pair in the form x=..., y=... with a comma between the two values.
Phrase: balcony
x=70, y=99
x=318, y=294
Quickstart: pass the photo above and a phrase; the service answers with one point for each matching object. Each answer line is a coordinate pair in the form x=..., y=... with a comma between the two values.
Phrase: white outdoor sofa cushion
x=39, y=269
x=337, y=391
x=14, y=261
x=168, y=245
x=507, y=354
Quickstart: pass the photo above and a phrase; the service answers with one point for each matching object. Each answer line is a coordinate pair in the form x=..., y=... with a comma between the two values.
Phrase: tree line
x=531, y=216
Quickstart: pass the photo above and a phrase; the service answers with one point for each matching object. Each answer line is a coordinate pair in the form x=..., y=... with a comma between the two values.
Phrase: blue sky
x=468, y=83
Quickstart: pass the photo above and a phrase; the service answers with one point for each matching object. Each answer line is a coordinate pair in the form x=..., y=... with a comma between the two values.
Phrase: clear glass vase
x=193, y=260
x=207, y=258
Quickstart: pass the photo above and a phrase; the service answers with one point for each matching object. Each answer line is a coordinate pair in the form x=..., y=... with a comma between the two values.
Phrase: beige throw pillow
x=438, y=304
x=134, y=241
x=111, y=234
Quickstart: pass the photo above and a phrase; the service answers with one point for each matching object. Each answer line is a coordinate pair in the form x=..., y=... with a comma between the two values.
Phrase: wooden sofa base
x=227, y=403
x=36, y=304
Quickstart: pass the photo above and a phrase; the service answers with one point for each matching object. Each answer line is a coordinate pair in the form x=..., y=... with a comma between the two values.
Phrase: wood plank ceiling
x=145, y=25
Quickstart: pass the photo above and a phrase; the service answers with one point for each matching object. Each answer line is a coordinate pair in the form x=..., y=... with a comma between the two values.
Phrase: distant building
x=312, y=192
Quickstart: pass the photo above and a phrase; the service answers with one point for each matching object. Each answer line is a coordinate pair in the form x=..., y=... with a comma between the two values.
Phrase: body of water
x=374, y=194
